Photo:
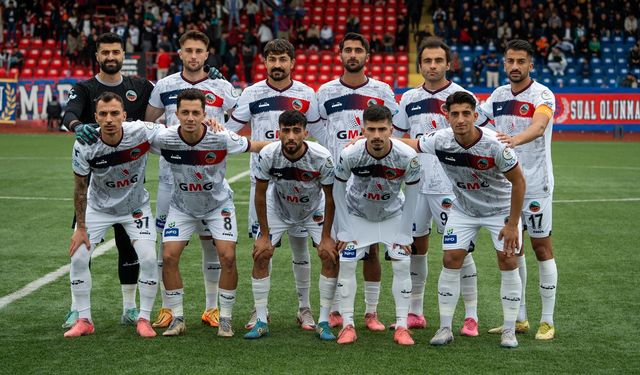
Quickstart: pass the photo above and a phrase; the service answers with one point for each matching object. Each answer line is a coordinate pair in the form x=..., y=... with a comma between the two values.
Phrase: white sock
x=73, y=303
x=401, y=288
x=165, y=302
x=227, y=300
x=301, y=264
x=327, y=291
x=448, y=294
x=510, y=293
x=162, y=208
x=347, y=285
x=419, y=273
x=469, y=287
x=80, y=280
x=128, y=296
x=148, y=278
x=261, y=289
x=371, y=296
x=548, y=285
x=522, y=271
x=174, y=301
x=211, y=272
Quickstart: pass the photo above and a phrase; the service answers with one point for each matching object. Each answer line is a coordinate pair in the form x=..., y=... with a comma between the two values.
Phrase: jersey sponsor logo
x=472, y=185
x=296, y=199
x=72, y=94
x=124, y=183
x=171, y=232
x=463, y=159
x=450, y=239
x=534, y=206
x=446, y=203
x=426, y=106
x=131, y=95
x=195, y=186
x=120, y=157
x=374, y=196
x=137, y=214
x=293, y=174
x=378, y=170
x=349, y=251
x=349, y=134
x=136, y=153
x=513, y=108
x=272, y=134
x=348, y=102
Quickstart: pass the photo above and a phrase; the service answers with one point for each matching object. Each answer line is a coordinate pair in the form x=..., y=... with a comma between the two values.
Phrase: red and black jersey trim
x=120, y=157
x=194, y=157
x=379, y=171
x=466, y=160
x=294, y=174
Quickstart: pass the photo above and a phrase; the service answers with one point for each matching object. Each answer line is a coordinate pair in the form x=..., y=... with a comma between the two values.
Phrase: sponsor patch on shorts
x=171, y=232
x=451, y=238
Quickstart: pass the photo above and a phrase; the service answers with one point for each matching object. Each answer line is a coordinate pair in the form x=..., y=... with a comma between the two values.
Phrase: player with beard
x=261, y=104
x=79, y=117
x=523, y=115
x=220, y=98
x=421, y=113
x=341, y=103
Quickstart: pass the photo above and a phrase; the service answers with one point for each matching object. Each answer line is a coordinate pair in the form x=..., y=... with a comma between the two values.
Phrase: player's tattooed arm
x=80, y=236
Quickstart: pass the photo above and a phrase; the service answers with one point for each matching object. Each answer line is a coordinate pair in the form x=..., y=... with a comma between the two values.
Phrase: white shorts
x=139, y=224
x=162, y=209
x=431, y=206
x=536, y=216
x=312, y=226
x=253, y=224
x=367, y=233
x=220, y=224
x=352, y=253
x=462, y=229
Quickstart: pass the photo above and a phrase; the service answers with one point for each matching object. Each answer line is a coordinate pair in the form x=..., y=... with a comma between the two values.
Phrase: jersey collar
x=523, y=90
x=354, y=87
x=472, y=143
x=204, y=133
x=438, y=90
x=117, y=143
x=193, y=82
x=383, y=156
x=306, y=149
x=278, y=90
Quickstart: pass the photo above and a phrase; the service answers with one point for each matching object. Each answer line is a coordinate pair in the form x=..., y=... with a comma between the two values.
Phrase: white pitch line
x=597, y=200
x=50, y=277
x=55, y=275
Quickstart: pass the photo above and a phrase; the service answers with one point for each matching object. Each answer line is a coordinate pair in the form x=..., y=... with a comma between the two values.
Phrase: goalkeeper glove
x=87, y=134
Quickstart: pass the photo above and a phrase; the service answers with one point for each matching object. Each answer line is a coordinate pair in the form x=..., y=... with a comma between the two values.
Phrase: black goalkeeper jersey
x=135, y=93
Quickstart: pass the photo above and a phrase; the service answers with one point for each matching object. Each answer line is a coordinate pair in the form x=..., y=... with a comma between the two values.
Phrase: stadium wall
x=577, y=109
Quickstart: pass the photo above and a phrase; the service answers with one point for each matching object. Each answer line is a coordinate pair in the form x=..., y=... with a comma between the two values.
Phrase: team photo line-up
x=374, y=180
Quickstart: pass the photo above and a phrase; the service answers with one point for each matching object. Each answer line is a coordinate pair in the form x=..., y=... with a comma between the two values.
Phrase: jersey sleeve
x=79, y=162
x=506, y=159
x=151, y=129
x=78, y=99
x=343, y=169
x=427, y=143
x=314, y=123
x=154, y=98
x=401, y=121
x=390, y=102
x=327, y=173
x=235, y=144
x=485, y=112
x=229, y=96
x=322, y=111
x=241, y=114
x=261, y=172
x=413, y=171
x=545, y=98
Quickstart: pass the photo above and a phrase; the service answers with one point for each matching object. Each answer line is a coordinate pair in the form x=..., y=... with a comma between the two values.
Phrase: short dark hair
x=460, y=97
x=435, y=43
x=191, y=94
x=108, y=96
x=519, y=45
x=292, y=117
x=377, y=112
x=109, y=38
x=278, y=47
x=358, y=37
x=195, y=35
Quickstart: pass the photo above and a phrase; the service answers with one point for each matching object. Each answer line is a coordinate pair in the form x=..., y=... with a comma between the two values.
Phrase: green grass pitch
x=595, y=238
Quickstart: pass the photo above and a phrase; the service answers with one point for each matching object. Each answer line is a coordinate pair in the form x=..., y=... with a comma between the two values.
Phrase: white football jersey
x=341, y=107
x=423, y=112
x=117, y=172
x=220, y=96
x=512, y=114
x=261, y=104
x=296, y=185
x=476, y=171
x=374, y=192
x=199, y=169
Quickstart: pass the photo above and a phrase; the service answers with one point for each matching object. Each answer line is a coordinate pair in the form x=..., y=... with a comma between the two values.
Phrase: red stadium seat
x=389, y=70
x=326, y=58
x=26, y=73
x=331, y=3
x=317, y=19
x=325, y=69
x=324, y=78
x=30, y=63
x=33, y=53
x=298, y=77
x=390, y=59
x=380, y=10
x=329, y=19
x=258, y=77
x=365, y=30
x=3, y=73
x=40, y=73
x=312, y=69
x=14, y=72
x=391, y=20
x=403, y=58
x=377, y=59
x=317, y=11
x=43, y=63
x=378, y=29
x=24, y=43
x=341, y=19
x=338, y=37
x=37, y=43
x=306, y=20
x=46, y=54
x=402, y=81
x=314, y=59
x=65, y=73
x=341, y=28
x=376, y=77
x=402, y=70
x=337, y=59
x=378, y=19
x=343, y=11
x=366, y=10
x=79, y=72
x=299, y=69
x=56, y=64
x=301, y=58
x=391, y=29
x=260, y=68
x=50, y=43
x=388, y=79
x=54, y=73
x=366, y=20
x=376, y=69
x=337, y=70
x=311, y=78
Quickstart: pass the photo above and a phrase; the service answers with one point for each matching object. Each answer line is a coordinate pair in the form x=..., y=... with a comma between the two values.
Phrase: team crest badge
x=135, y=153
x=210, y=98
x=131, y=95
x=371, y=102
x=483, y=164
x=524, y=109
x=443, y=108
x=210, y=158
x=306, y=176
x=390, y=174
x=296, y=104
x=534, y=206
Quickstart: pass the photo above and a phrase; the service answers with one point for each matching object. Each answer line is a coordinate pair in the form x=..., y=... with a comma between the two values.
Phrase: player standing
x=197, y=157
x=489, y=188
x=299, y=173
x=523, y=114
x=372, y=209
x=340, y=104
x=116, y=195
x=220, y=97
x=421, y=113
x=261, y=104
x=79, y=116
